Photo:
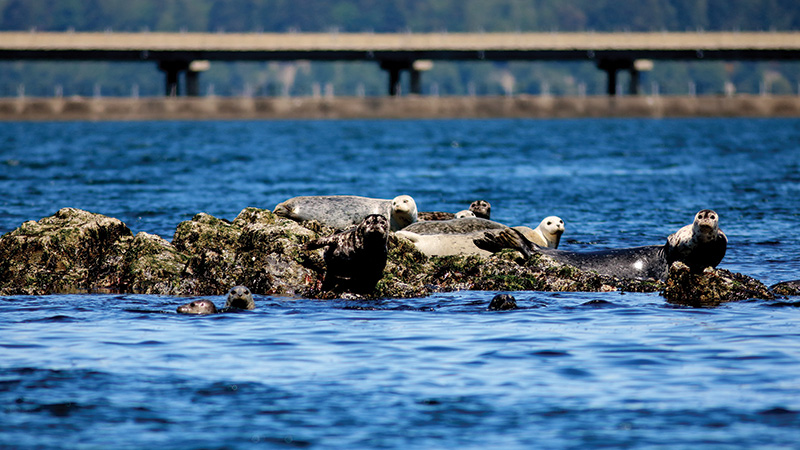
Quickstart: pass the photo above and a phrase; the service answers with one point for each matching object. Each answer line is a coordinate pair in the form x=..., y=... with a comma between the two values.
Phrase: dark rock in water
x=712, y=287
x=786, y=288
x=503, y=302
x=151, y=265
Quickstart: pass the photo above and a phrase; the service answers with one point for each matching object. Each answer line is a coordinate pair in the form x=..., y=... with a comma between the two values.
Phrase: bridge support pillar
x=172, y=70
x=612, y=67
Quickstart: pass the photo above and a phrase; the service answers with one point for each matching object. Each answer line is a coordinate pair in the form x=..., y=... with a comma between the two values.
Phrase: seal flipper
x=496, y=240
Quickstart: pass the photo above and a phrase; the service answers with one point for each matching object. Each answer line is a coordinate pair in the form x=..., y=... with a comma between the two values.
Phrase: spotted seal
x=355, y=258
x=343, y=211
x=634, y=263
x=240, y=297
x=700, y=244
x=547, y=234
x=481, y=208
x=202, y=306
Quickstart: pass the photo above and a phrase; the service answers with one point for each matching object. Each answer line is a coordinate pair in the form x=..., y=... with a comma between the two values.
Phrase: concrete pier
x=410, y=107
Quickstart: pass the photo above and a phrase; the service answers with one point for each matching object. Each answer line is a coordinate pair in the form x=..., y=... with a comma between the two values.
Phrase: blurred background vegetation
x=365, y=78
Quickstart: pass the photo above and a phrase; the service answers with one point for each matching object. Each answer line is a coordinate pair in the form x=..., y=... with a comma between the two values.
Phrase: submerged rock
x=786, y=288
x=78, y=251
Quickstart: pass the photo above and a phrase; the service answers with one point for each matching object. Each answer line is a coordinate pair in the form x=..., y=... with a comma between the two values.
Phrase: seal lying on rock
x=702, y=248
x=547, y=234
x=478, y=208
x=632, y=263
x=355, y=258
x=700, y=244
x=343, y=211
x=449, y=237
x=454, y=226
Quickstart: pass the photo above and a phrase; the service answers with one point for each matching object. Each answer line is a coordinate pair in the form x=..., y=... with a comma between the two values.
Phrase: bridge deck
x=365, y=46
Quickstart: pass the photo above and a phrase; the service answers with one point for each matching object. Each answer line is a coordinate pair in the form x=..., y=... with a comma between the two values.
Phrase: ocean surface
x=566, y=370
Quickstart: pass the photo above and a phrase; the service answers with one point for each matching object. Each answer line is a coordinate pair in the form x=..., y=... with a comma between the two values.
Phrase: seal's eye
x=712, y=217
x=549, y=223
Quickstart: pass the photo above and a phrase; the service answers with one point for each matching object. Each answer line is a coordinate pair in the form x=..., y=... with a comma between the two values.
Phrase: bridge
x=190, y=52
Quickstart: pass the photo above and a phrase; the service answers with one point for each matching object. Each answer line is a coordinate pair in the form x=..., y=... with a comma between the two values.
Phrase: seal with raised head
x=481, y=208
x=403, y=213
x=700, y=244
x=202, y=306
x=355, y=258
x=240, y=297
x=547, y=234
x=478, y=208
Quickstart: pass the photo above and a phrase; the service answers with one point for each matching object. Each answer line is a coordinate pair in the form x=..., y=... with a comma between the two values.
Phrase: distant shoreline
x=410, y=107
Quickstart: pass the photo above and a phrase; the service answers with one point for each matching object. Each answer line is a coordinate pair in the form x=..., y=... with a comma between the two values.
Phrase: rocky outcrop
x=78, y=251
x=710, y=288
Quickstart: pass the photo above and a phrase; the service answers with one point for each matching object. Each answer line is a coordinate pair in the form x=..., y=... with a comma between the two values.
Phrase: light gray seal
x=343, y=211
x=403, y=213
x=454, y=226
x=355, y=258
x=449, y=237
x=547, y=234
x=700, y=244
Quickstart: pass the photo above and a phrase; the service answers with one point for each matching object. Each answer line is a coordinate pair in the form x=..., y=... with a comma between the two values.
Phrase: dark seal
x=700, y=244
x=632, y=263
x=503, y=302
x=355, y=258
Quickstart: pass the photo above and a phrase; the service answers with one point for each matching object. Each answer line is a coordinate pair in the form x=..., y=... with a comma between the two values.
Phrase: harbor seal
x=503, y=302
x=478, y=208
x=198, y=307
x=355, y=258
x=481, y=208
x=454, y=226
x=445, y=244
x=700, y=244
x=343, y=211
x=449, y=237
x=547, y=234
x=241, y=298
x=632, y=263
x=404, y=212
x=464, y=214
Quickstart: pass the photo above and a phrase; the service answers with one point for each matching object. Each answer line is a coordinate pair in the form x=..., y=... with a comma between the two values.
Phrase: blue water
x=566, y=370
